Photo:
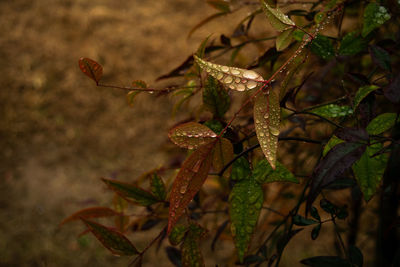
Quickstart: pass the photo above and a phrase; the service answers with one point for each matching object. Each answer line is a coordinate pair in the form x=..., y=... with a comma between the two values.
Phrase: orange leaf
x=267, y=120
x=222, y=154
x=94, y=212
x=191, y=135
x=188, y=182
x=91, y=68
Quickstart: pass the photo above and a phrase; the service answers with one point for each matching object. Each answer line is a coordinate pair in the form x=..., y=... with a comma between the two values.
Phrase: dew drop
x=220, y=76
x=241, y=87
x=225, y=68
x=228, y=79
x=274, y=131
x=250, y=74
x=251, y=84
x=183, y=189
x=235, y=71
x=208, y=69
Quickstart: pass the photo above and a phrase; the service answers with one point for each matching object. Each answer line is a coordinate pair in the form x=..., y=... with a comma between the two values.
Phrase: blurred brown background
x=60, y=133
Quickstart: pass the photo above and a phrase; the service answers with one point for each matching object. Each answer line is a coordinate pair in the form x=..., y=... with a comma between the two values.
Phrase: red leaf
x=94, y=212
x=188, y=182
x=91, y=68
x=191, y=135
x=113, y=240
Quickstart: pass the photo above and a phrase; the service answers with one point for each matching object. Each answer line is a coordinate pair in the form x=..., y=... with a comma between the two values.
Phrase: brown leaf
x=191, y=135
x=222, y=154
x=267, y=120
x=91, y=68
x=188, y=182
x=94, y=212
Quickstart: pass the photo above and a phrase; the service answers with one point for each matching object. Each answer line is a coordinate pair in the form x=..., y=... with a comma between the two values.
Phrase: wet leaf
x=222, y=154
x=302, y=221
x=263, y=173
x=240, y=169
x=158, y=187
x=331, y=143
x=131, y=192
x=277, y=18
x=188, y=182
x=326, y=261
x=362, y=93
x=94, y=212
x=284, y=39
x=392, y=92
x=369, y=170
x=91, y=68
x=113, y=240
x=191, y=254
x=215, y=98
x=380, y=57
x=231, y=77
x=381, y=123
x=267, y=114
x=245, y=201
x=352, y=44
x=333, y=111
x=336, y=161
x=214, y=125
x=374, y=16
x=191, y=135
x=322, y=47
x=177, y=234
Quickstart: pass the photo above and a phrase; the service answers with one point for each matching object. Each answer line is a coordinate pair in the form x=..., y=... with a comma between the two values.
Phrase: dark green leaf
x=277, y=19
x=322, y=47
x=215, y=98
x=214, y=125
x=369, y=170
x=326, y=261
x=302, y=221
x=114, y=241
x=174, y=255
x=362, y=93
x=315, y=231
x=381, y=123
x=333, y=111
x=284, y=39
x=131, y=192
x=177, y=234
x=327, y=206
x=352, y=44
x=374, y=17
x=240, y=169
x=356, y=256
x=246, y=201
x=331, y=143
x=314, y=213
x=221, y=5
x=158, y=187
x=263, y=173
x=191, y=254
x=380, y=57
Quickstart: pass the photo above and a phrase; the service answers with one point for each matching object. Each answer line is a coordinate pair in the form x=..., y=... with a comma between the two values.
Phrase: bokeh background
x=59, y=133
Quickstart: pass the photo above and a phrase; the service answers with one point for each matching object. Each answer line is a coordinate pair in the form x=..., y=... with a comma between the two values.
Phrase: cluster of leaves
x=357, y=67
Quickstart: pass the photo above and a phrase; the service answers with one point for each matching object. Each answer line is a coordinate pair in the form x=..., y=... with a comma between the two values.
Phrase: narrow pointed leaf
x=113, y=240
x=222, y=154
x=293, y=68
x=267, y=114
x=315, y=231
x=191, y=135
x=158, y=187
x=91, y=68
x=362, y=93
x=245, y=201
x=94, y=212
x=326, y=261
x=302, y=221
x=221, y=5
x=369, y=170
x=191, y=254
x=276, y=17
x=263, y=173
x=338, y=160
x=215, y=98
x=331, y=143
x=381, y=123
x=374, y=17
x=131, y=192
x=333, y=111
x=233, y=78
x=284, y=39
x=188, y=182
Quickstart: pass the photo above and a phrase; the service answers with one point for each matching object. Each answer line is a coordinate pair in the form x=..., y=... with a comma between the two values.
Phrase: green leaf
x=322, y=47
x=222, y=154
x=245, y=201
x=381, y=123
x=277, y=18
x=113, y=240
x=131, y=192
x=158, y=187
x=191, y=135
x=284, y=39
x=267, y=114
x=314, y=213
x=331, y=143
x=302, y=221
x=369, y=170
x=326, y=261
x=263, y=173
x=240, y=169
x=362, y=93
x=215, y=98
x=214, y=125
x=231, y=77
x=380, y=57
x=202, y=48
x=177, y=234
x=352, y=44
x=374, y=16
x=191, y=254
x=333, y=111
